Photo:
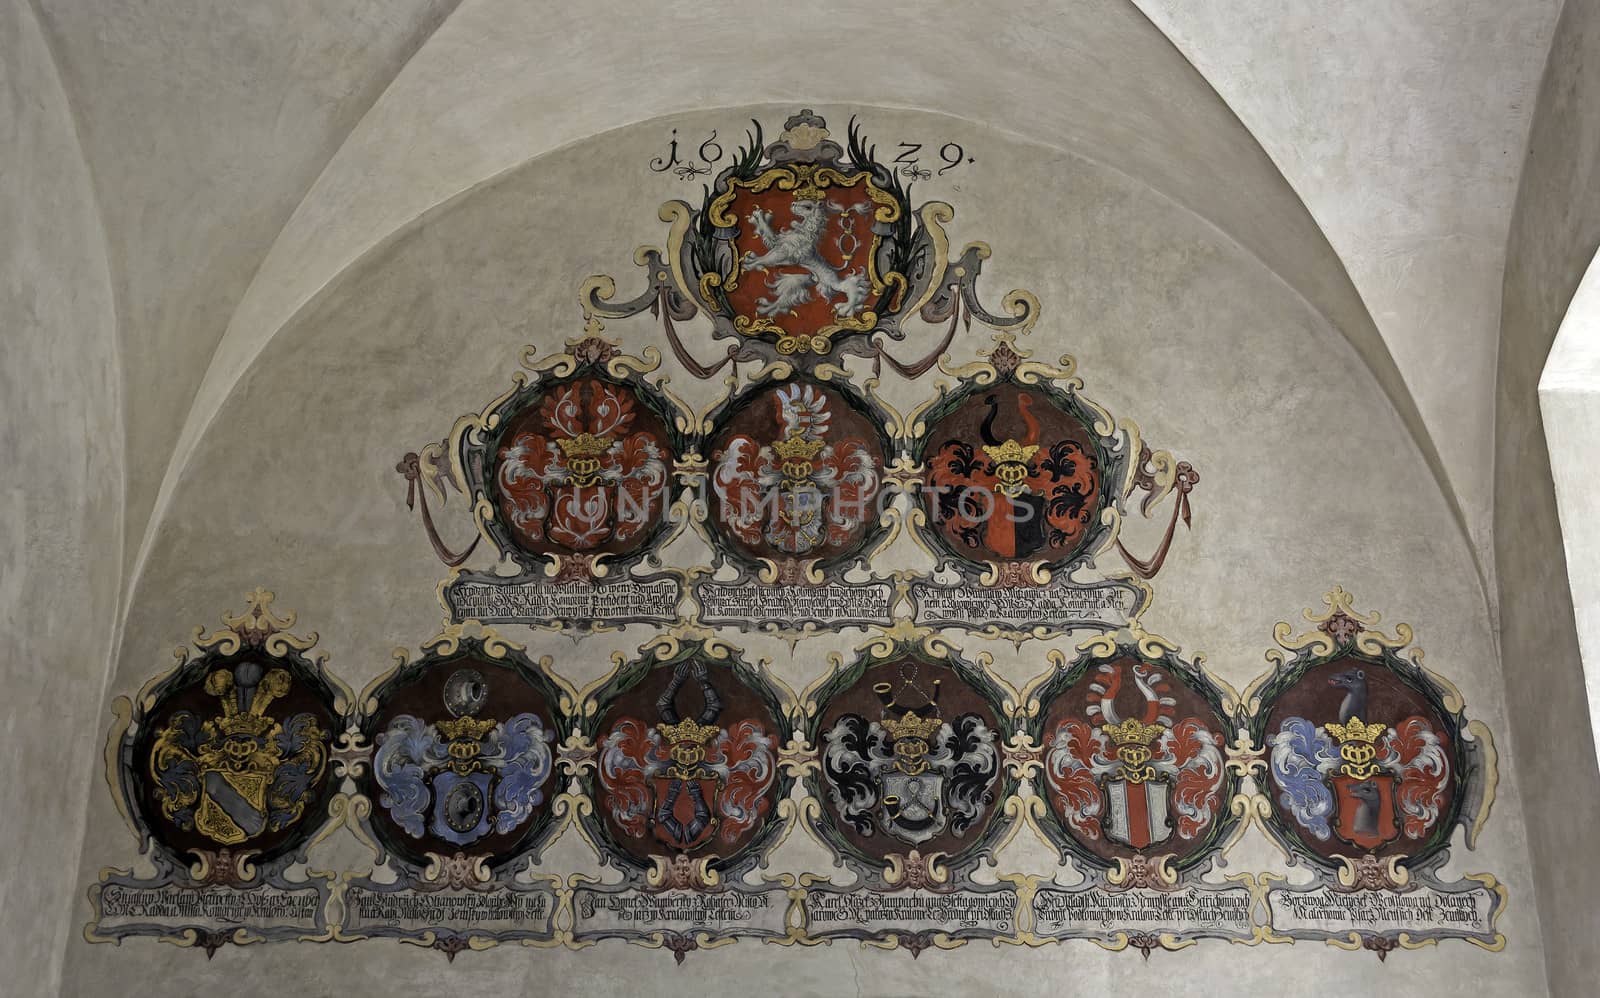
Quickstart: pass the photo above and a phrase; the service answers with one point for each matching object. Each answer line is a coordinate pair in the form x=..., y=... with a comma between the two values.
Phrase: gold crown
x=252, y=722
x=1011, y=452
x=796, y=446
x=1132, y=732
x=1356, y=731
x=466, y=728
x=912, y=725
x=688, y=731
x=584, y=445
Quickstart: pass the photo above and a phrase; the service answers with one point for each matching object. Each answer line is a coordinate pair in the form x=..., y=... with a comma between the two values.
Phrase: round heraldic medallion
x=582, y=467
x=796, y=473
x=234, y=755
x=1362, y=761
x=688, y=762
x=1133, y=761
x=463, y=755
x=910, y=760
x=1014, y=475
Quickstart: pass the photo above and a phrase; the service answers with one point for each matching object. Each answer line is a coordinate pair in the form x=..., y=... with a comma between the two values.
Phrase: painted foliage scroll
x=871, y=453
x=910, y=762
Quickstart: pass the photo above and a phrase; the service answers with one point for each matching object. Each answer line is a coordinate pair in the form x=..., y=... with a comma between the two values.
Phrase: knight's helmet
x=1357, y=747
x=465, y=694
x=1012, y=458
x=687, y=739
x=910, y=728
x=1133, y=739
x=584, y=451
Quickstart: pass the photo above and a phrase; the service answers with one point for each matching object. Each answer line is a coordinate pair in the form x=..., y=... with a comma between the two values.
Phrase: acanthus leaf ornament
x=912, y=740
x=929, y=774
x=688, y=755
x=1021, y=484
x=804, y=249
x=242, y=771
x=463, y=751
x=573, y=477
x=1371, y=766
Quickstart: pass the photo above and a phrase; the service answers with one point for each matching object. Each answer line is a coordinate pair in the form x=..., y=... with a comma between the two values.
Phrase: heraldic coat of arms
x=688, y=781
x=803, y=240
x=583, y=474
x=1135, y=779
x=910, y=772
x=1022, y=492
x=1363, y=781
x=801, y=492
x=241, y=773
x=463, y=778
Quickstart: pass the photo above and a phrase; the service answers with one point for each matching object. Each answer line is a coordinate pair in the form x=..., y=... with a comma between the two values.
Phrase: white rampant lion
x=798, y=246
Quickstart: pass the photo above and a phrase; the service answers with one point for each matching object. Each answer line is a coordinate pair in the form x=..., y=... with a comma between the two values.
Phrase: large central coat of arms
x=688, y=781
x=243, y=772
x=466, y=777
x=804, y=240
x=1137, y=779
x=910, y=773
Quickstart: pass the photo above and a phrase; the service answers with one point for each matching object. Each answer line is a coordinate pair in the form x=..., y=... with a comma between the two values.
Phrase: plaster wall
x=1569, y=400
x=60, y=426
x=1553, y=238
x=1309, y=479
x=1401, y=126
x=504, y=81
x=203, y=124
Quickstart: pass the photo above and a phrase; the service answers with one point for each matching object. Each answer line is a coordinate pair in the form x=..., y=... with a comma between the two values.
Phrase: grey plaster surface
x=1553, y=238
x=1401, y=125
x=315, y=232
x=1569, y=401
x=203, y=125
x=504, y=81
x=1310, y=480
x=60, y=437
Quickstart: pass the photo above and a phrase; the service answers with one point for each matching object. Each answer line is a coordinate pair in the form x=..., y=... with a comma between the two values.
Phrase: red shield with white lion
x=804, y=253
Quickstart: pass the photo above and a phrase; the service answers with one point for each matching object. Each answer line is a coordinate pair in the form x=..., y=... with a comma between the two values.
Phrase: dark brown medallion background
x=529, y=419
x=1072, y=705
x=423, y=698
x=1389, y=701
x=739, y=703
x=303, y=698
x=756, y=416
x=955, y=699
x=964, y=425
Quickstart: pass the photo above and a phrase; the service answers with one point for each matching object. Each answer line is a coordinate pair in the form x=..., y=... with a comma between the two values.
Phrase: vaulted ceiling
x=244, y=157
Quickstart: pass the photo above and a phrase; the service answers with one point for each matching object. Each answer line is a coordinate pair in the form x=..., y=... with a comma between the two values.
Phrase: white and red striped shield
x=1136, y=813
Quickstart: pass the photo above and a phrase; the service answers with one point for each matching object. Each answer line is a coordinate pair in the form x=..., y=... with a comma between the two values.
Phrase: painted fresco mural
x=805, y=488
